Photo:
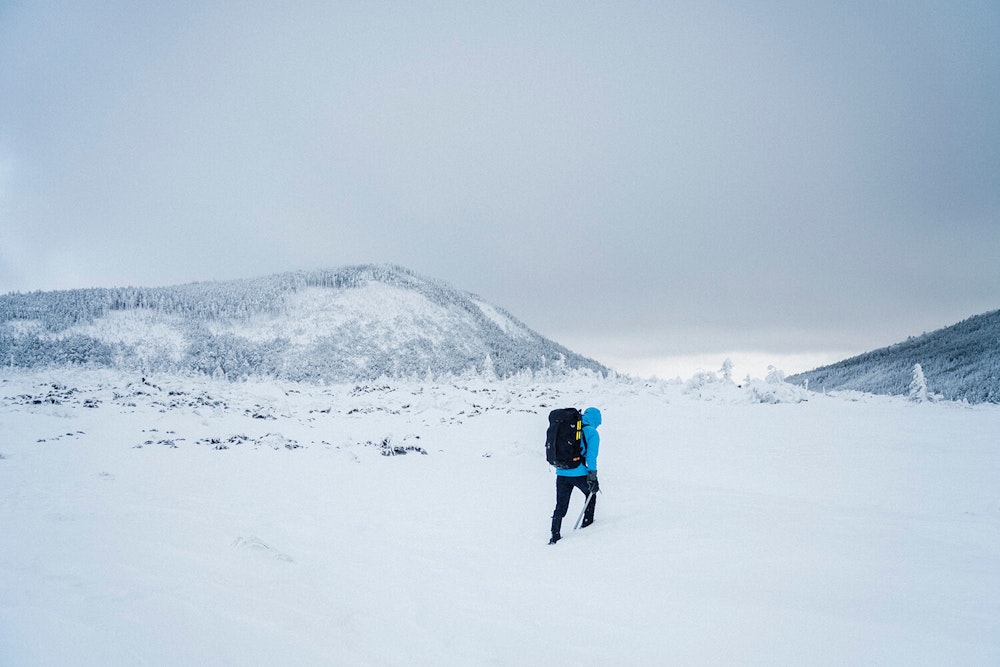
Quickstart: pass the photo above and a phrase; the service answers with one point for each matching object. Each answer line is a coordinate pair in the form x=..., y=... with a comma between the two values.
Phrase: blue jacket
x=591, y=444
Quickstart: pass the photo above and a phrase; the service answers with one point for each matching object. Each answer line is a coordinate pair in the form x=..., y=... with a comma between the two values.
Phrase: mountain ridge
x=352, y=323
x=959, y=362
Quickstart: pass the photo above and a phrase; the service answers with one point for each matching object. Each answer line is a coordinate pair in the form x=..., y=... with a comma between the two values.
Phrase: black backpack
x=564, y=443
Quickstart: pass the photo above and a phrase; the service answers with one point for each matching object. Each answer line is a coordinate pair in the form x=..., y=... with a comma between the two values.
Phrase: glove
x=592, y=481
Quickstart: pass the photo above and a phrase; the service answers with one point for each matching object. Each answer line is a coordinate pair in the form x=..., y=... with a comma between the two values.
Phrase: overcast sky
x=641, y=181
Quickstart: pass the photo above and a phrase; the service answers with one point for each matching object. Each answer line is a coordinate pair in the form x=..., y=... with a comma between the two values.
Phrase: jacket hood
x=592, y=417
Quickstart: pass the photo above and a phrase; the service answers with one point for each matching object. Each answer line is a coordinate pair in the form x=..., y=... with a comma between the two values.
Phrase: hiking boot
x=555, y=538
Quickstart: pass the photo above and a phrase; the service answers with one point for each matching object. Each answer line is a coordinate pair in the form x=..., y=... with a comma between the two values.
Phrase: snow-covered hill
x=183, y=520
x=958, y=362
x=352, y=324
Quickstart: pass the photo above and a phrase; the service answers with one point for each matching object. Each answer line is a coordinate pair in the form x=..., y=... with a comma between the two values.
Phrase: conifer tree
x=918, y=385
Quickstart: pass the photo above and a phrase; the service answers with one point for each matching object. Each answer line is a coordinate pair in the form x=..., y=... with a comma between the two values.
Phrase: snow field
x=848, y=529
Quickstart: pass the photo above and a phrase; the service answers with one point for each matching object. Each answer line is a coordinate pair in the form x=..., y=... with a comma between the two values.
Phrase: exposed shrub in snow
x=386, y=447
x=277, y=441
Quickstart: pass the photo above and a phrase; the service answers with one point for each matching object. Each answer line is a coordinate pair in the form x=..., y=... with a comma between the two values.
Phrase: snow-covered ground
x=183, y=521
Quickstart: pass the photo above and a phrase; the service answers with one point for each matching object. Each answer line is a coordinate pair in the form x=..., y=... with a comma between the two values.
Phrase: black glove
x=592, y=481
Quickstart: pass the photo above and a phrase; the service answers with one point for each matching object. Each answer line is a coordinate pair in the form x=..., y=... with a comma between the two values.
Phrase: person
x=583, y=477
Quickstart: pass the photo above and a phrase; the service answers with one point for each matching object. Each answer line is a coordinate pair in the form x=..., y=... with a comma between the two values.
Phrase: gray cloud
x=702, y=176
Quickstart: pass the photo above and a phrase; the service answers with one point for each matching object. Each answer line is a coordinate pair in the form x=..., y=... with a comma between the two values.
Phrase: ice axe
x=586, y=503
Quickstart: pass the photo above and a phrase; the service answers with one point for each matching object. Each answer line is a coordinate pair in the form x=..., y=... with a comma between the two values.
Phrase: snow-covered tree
x=489, y=369
x=727, y=370
x=918, y=385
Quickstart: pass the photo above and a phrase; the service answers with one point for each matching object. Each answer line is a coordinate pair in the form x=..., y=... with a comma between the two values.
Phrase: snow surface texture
x=185, y=521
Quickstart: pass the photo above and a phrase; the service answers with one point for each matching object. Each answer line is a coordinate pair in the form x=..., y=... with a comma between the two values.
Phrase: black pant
x=564, y=489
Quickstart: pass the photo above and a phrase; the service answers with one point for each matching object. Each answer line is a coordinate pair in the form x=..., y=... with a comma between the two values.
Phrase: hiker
x=583, y=476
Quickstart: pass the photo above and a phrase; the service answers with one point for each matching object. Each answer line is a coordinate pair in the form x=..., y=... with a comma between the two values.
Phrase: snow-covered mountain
x=958, y=362
x=349, y=324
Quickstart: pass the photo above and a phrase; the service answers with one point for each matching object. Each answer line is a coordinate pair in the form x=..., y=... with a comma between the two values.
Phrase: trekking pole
x=586, y=503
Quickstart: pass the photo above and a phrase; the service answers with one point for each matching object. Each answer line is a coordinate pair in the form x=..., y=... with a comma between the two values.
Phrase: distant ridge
x=959, y=362
x=348, y=324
